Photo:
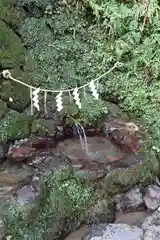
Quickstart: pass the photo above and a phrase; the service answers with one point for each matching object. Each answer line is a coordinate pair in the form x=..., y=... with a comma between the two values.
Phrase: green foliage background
x=79, y=40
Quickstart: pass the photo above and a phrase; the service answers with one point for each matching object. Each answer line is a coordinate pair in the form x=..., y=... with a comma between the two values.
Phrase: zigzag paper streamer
x=59, y=102
x=76, y=98
x=94, y=90
x=35, y=98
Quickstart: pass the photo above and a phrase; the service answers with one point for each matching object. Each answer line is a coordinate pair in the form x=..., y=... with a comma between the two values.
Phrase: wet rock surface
x=126, y=173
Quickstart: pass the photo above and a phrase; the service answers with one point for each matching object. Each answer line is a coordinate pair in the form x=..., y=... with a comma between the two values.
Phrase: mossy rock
x=10, y=13
x=122, y=179
x=42, y=128
x=102, y=212
x=12, y=51
x=19, y=93
x=114, y=111
x=3, y=108
x=14, y=126
x=59, y=209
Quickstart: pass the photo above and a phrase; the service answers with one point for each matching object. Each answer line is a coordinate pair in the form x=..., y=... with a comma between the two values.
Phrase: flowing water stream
x=82, y=138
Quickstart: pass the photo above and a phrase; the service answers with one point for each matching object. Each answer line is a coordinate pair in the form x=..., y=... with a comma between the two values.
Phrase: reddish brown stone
x=22, y=153
x=43, y=143
x=124, y=135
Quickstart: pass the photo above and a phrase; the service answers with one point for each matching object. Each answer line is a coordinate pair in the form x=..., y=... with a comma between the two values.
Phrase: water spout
x=83, y=138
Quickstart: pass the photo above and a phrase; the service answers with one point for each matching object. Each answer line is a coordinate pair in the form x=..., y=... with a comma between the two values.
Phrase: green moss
x=19, y=93
x=69, y=106
x=12, y=50
x=14, y=126
x=59, y=206
x=91, y=110
x=102, y=212
x=42, y=127
x=114, y=111
x=10, y=13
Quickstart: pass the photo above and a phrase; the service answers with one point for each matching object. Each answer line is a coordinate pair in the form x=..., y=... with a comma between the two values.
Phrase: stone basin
x=101, y=150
